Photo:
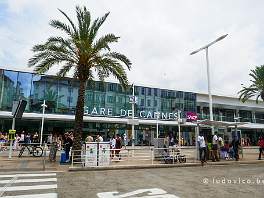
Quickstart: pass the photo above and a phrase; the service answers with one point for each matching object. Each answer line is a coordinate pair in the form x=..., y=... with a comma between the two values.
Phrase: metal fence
x=132, y=157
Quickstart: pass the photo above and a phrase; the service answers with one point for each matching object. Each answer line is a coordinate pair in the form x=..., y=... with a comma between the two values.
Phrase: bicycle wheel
x=21, y=152
x=37, y=151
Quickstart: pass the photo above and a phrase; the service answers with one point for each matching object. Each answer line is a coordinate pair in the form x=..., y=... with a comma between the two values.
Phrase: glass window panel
x=38, y=85
x=9, y=89
x=64, y=92
x=24, y=87
x=1, y=87
x=74, y=94
x=149, y=91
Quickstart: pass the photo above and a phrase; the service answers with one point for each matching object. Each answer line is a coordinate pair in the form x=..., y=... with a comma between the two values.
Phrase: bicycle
x=36, y=151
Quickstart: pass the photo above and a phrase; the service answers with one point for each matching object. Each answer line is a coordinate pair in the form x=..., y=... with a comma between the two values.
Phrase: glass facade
x=61, y=96
x=108, y=99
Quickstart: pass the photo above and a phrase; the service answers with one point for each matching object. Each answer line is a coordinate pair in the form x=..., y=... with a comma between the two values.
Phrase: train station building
x=108, y=110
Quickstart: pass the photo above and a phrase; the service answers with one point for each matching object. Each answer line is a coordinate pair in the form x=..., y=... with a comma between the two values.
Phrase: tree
x=81, y=52
x=257, y=86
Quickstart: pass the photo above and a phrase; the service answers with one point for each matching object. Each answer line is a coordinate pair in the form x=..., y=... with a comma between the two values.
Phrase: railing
x=132, y=157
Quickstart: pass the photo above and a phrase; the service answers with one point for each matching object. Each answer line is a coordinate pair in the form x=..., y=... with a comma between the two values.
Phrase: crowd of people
x=218, y=149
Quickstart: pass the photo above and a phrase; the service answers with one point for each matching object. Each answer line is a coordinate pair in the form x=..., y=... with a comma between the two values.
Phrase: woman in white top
x=17, y=138
x=113, y=145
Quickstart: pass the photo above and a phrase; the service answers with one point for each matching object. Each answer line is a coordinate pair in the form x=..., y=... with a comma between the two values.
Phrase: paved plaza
x=207, y=181
x=243, y=181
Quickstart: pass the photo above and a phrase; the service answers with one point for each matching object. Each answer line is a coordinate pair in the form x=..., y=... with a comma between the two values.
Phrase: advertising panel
x=104, y=154
x=91, y=154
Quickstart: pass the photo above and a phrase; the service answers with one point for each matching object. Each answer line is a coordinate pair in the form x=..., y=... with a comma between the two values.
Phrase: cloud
x=156, y=35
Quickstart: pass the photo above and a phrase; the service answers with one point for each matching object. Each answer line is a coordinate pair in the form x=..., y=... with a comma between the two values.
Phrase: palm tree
x=81, y=52
x=257, y=86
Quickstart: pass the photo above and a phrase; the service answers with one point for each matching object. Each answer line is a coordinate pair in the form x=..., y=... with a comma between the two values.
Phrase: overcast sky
x=157, y=35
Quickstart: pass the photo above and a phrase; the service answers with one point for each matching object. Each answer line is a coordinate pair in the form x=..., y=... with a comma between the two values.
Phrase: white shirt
x=22, y=137
x=113, y=143
x=101, y=139
x=201, y=141
x=215, y=138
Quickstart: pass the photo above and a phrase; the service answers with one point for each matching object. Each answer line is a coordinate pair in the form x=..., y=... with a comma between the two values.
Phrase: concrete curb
x=25, y=169
x=125, y=167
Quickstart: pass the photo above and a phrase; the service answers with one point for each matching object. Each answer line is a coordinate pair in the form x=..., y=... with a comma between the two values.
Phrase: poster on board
x=91, y=154
x=104, y=154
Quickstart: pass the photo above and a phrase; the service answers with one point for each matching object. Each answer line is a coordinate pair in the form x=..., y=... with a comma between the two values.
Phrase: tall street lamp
x=208, y=73
x=42, y=121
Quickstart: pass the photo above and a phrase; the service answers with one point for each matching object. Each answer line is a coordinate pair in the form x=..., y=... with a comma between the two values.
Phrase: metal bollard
x=152, y=155
x=72, y=155
x=173, y=155
x=44, y=156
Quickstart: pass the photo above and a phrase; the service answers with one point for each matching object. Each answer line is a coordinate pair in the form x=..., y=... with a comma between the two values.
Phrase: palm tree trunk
x=262, y=95
x=78, y=126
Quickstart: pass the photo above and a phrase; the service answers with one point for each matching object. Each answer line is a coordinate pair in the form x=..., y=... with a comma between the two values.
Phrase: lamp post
x=179, y=128
x=208, y=73
x=42, y=123
x=133, y=115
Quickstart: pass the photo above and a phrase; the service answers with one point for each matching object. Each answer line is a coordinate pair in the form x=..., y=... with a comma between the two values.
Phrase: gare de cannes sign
x=108, y=112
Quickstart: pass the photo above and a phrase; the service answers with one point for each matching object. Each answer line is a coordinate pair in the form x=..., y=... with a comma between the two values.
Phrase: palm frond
x=120, y=57
x=96, y=25
x=103, y=42
x=70, y=21
x=62, y=26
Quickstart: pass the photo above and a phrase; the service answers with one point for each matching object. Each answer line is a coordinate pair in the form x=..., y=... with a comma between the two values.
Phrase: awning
x=220, y=123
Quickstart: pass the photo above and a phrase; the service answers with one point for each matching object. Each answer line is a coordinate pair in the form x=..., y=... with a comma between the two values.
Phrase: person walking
x=68, y=145
x=118, y=146
x=113, y=146
x=261, y=147
x=202, y=149
x=215, y=149
x=236, y=145
x=15, y=146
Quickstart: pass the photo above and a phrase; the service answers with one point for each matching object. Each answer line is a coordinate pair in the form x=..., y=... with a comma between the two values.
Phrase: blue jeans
x=67, y=153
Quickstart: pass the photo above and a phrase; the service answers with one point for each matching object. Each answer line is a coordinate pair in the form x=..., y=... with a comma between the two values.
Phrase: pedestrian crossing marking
x=48, y=195
x=28, y=175
x=30, y=183
x=23, y=188
x=28, y=180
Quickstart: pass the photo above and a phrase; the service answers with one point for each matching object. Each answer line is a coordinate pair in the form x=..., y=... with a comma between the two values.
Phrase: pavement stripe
x=23, y=188
x=48, y=195
x=29, y=175
x=29, y=180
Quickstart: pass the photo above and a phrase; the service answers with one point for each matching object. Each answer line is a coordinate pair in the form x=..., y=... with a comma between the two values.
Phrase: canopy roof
x=220, y=123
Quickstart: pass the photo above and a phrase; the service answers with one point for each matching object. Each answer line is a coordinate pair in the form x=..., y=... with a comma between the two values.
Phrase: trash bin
x=63, y=157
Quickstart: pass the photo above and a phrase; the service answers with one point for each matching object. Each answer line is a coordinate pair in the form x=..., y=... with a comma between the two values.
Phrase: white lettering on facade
x=164, y=116
x=86, y=111
x=109, y=112
x=129, y=113
x=156, y=115
x=102, y=111
x=94, y=111
x=149, y=115
x=142, y=114
x=123, y=112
